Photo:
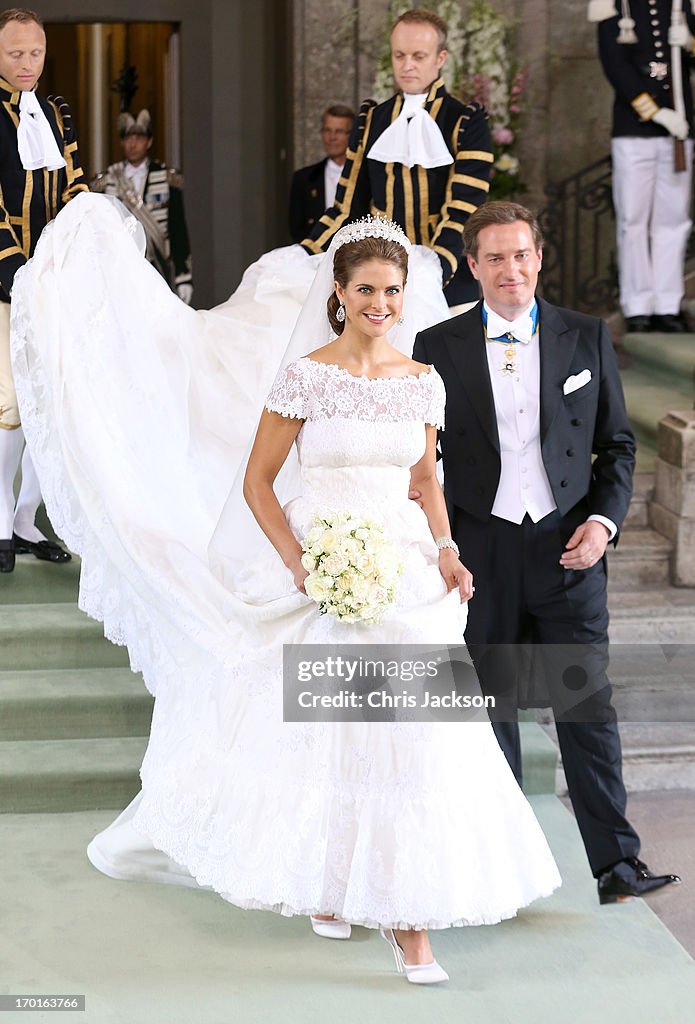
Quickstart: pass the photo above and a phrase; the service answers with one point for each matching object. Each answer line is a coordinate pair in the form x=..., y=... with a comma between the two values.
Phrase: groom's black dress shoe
x=6, y=556
x=630, y=877
x=45, y=550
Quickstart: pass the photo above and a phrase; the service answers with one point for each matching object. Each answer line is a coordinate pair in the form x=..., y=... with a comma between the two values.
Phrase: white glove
x=185, y=292
x=679, y=35
x=673, y=123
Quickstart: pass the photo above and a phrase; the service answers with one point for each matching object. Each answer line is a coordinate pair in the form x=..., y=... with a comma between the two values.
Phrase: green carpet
x=145, y=954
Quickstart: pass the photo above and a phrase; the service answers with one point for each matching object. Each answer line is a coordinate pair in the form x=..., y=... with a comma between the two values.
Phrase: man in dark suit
x=533, y=391
x=421, y=158
x=313, y=188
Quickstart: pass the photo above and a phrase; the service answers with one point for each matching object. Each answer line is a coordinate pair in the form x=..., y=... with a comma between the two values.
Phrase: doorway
x=103, y=68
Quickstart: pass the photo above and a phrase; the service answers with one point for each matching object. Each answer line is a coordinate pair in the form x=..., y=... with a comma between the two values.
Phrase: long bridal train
x=139, y=412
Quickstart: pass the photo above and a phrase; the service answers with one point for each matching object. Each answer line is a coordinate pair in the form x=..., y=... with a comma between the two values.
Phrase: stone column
x=672, y=512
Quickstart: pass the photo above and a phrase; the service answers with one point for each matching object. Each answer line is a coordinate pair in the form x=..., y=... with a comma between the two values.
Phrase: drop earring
x=400, y=320
x=340, y=313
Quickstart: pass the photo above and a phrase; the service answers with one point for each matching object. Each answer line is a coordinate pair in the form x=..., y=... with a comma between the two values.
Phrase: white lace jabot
x=413, y=138
x=35, y=139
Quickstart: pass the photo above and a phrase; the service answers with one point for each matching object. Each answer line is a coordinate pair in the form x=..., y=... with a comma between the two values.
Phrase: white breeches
x=19, y=517
x=652, y=207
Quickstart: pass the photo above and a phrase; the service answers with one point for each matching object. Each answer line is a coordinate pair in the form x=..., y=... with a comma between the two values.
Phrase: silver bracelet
x=447, y=542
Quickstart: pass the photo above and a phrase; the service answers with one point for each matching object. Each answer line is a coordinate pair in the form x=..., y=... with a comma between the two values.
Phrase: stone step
x=655, y=756
x=648, y=399
x=36, y=581
x=73, y=703
x=69, y=775
x=642, y=494
x=54, y=636
x=641, y=559
x=669, y=358
x=652, y=615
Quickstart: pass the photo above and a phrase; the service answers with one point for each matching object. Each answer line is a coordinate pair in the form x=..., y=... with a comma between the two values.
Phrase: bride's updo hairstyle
x=375, y=238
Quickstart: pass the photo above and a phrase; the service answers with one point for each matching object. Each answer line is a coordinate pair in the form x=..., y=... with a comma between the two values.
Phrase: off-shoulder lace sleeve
x=290, y=393
x=437, y=401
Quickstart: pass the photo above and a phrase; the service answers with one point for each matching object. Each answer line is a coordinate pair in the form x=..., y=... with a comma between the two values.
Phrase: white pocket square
x=576, y=382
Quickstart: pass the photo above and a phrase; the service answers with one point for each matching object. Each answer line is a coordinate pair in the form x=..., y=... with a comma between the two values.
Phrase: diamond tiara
x=372, y=227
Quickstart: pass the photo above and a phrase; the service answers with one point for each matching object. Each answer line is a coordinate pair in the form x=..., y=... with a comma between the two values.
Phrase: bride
x=401, y=826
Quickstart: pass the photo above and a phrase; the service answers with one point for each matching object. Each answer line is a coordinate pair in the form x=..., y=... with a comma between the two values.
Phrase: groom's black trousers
x=523, y=596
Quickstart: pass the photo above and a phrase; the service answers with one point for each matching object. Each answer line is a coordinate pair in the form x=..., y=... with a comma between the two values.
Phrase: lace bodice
x=360, y=435
x=351, y=420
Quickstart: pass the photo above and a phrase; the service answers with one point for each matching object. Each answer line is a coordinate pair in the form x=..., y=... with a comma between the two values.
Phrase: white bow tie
x=412, y=139
x=522, y=329
x=35, y=139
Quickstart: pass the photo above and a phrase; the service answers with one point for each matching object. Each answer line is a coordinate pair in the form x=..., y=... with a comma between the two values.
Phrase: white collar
x=135, y=170
x=36, y=142
x=413, y=139
x=522, y=328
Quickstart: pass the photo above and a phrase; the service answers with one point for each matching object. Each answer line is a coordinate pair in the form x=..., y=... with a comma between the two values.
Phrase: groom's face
x=507, y=265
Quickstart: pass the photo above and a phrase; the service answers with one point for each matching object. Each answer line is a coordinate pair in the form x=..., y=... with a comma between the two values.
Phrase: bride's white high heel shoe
x=331, y=929
x=418, y=974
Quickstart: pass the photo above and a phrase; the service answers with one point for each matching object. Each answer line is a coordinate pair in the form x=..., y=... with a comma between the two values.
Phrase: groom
x=533, y=391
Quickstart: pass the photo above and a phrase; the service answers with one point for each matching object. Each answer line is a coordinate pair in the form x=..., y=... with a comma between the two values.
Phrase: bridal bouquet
x=353, y=568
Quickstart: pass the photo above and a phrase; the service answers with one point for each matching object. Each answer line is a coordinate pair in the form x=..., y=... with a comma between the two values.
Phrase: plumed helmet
x=140, y=125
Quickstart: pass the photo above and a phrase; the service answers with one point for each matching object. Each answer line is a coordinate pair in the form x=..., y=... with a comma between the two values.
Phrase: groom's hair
x=352, y=255
x=499, y=211
x=22, y=14
x=421, y=16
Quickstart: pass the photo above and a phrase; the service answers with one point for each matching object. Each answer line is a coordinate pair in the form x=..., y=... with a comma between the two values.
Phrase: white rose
x=364, y=563
x=328, y=541
x=376, y=594
x=335, y=564
x=345, y=582
x=318, y=588
x=313, y=536
x=308, y=562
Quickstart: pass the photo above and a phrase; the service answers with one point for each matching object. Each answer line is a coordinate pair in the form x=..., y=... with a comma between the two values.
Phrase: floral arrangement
x=353, y=568
x=499, y=82
x=480, y=66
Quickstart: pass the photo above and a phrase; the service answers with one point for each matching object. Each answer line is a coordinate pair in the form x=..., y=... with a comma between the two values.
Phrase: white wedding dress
x=401, y=824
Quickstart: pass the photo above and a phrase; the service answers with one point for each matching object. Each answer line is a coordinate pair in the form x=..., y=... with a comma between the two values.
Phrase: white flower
x=507, y=162
x=317, y=588
x=352, y=567
x=335, y=563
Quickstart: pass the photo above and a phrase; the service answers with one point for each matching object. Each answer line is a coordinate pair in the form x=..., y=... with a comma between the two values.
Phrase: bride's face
x=373, y=297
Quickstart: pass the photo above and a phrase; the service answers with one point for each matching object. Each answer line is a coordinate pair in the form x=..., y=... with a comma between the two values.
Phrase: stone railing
x=672, y=512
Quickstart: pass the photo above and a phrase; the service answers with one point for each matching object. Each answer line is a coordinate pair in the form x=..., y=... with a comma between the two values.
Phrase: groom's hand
x=586, y=546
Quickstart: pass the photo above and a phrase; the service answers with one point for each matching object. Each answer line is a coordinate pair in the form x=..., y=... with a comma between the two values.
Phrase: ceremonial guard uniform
x=430, y=203
x=153, y=193
x=159, y=208
x=29, y=199
x=644, y=45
